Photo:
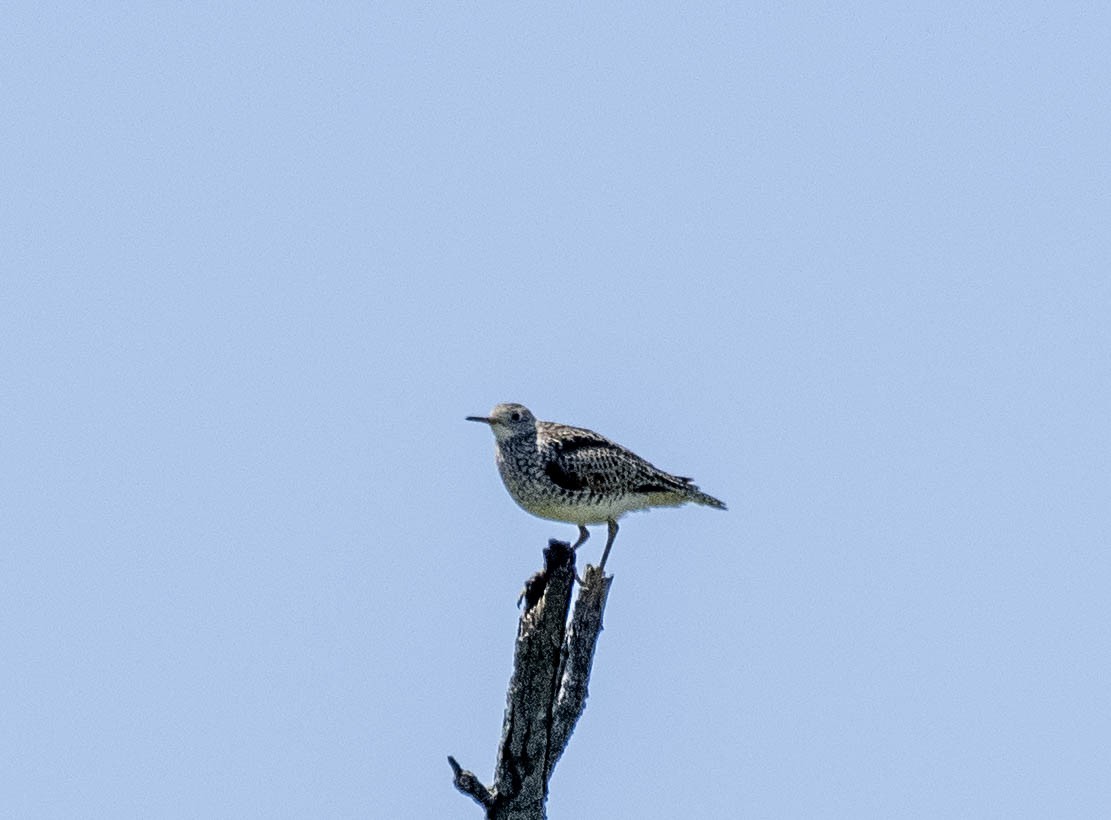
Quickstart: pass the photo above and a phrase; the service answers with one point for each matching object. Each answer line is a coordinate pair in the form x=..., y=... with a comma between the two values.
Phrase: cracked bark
x=547, y=690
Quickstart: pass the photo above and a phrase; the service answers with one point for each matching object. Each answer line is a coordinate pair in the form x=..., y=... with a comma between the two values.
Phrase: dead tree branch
x=547, y=690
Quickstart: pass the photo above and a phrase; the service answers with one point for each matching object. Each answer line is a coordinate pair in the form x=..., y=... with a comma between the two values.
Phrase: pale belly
x=585, y=512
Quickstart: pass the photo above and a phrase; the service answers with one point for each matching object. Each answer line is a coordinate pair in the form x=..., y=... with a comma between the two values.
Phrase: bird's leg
x=609, y=543
x=583, y=535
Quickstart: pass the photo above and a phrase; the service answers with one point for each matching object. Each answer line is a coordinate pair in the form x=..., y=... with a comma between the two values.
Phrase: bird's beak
x=483, y=419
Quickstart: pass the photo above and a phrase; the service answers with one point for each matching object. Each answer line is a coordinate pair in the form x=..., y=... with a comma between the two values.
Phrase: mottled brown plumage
x=575, y=475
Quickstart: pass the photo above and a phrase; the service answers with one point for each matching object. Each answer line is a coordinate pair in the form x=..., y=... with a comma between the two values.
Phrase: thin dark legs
x=583, y=535
x=609, y=543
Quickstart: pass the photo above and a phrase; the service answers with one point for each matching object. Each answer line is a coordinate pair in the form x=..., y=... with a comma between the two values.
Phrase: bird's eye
x=514, y=416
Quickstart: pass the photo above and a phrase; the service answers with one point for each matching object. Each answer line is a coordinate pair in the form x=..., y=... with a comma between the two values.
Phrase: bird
x=577, y=476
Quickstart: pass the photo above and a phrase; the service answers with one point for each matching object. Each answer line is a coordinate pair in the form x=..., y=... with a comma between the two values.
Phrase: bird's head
x=509, y=421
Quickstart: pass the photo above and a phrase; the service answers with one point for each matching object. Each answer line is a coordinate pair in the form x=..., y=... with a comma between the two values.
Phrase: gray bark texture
x=548, y=688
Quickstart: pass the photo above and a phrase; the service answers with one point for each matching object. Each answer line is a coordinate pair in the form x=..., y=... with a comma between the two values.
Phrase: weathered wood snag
x=548, y=687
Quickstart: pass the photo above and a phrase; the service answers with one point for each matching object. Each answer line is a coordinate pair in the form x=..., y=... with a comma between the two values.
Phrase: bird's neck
x=521, y=449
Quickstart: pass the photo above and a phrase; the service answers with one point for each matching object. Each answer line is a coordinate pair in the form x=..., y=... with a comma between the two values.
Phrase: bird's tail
x=699, y=497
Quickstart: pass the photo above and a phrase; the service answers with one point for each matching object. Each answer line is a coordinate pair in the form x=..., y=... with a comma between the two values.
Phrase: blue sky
x=848, y=266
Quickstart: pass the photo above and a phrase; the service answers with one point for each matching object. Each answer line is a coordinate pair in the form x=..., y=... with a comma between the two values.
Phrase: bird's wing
x=579, y=459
